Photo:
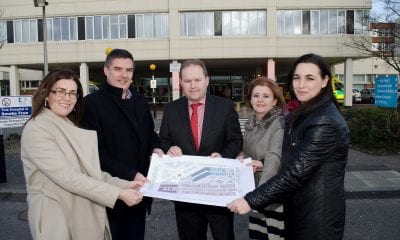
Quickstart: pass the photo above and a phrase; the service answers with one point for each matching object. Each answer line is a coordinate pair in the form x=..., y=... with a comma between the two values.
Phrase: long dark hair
x=46, y=86
x=326, y=93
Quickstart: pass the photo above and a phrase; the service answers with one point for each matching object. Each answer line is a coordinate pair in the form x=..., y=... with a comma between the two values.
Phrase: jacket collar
x=115, y=91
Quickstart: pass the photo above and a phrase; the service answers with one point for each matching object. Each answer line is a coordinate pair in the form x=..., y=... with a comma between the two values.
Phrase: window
x=151, y=25
x=383, y=46
x=290, y=22
x=62, y=29
x=244, y=23
x=341, y=21
x=114, y=27
x=106, y=27
x=3, y=31
x=329, y=22
x=29, y=84
x=333, y=21
x=25, y=30
x=197, y=23
x=323, y=22
x=384, y=32
x=314, y=22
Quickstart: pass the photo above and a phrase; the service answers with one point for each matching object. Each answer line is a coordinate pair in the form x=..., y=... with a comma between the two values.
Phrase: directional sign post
x=386, y=91
x=14, y=112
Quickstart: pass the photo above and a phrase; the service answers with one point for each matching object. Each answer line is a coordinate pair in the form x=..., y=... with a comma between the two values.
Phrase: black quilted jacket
x=311, y=180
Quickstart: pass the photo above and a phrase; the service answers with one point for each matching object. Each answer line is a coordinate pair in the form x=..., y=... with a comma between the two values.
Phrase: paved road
x=372, y=219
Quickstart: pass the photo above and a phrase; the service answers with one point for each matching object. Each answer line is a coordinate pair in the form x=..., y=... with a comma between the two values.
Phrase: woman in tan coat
x=263, y=143
x=67, y=191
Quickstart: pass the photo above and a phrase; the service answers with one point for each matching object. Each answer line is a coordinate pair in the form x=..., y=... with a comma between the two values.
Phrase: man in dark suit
x=126, y=138
x=203, y=125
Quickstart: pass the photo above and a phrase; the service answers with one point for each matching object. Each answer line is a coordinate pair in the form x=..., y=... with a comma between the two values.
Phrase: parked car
x=356, y=96
x=368, y=95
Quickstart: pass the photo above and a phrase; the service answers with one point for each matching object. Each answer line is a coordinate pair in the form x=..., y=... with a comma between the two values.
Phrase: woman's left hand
x=135, y=185
x=239, y=206
x=257, y=165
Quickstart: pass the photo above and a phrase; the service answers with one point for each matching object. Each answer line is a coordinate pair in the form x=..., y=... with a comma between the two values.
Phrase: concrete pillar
x=271, y=69
x=14, y=81
x=348, y=83
x=174, y=68
x=84, y=77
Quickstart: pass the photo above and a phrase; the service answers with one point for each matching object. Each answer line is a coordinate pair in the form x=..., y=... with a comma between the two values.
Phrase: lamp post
x=43, y=4
x=153, y=86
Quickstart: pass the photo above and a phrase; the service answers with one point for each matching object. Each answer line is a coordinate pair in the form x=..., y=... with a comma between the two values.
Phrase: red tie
x=194, y=123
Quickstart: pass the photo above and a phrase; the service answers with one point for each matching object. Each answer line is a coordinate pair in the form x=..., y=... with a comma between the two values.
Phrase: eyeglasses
x=62, y=93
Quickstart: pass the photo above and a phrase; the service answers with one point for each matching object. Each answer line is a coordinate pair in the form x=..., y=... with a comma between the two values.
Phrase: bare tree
x=382, y=38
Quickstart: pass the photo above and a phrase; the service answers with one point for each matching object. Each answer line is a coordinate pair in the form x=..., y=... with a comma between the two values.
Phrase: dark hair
x=118, y=53
x=271, y=84
x=197, y=62
x=326, y=92
x=46, y=86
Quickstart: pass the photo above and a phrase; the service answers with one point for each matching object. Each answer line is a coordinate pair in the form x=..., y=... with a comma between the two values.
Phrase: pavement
x=370, y=180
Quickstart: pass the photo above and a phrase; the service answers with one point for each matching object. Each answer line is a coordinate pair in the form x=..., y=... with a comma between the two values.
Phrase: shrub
x=374, y=129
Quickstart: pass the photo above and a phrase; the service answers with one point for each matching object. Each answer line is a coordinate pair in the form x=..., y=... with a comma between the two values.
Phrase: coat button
x=294, y=144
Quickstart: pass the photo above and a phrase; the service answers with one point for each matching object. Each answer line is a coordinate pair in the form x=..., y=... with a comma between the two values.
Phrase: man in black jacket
x=126, y=138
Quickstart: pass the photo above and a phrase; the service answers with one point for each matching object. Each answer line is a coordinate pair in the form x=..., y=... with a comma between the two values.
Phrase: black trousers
x=193, y=219
x=127, y=223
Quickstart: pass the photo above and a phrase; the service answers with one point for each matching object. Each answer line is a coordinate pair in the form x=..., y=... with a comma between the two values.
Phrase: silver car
x=368, y=95
x=356, y=96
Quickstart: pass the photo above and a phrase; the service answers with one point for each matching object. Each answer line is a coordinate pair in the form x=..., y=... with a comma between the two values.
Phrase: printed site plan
x=195, y=179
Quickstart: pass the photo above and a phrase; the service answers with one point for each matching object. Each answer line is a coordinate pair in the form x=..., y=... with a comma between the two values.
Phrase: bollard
x=3, y=176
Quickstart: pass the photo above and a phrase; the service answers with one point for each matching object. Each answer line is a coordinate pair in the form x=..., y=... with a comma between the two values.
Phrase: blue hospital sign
x=386, y=91
x=15, y=110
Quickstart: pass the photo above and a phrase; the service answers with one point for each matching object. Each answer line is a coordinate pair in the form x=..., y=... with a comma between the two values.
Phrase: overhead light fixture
x=40, y=3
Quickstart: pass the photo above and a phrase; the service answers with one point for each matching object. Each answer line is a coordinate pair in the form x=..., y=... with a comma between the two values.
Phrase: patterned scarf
x=266, y=121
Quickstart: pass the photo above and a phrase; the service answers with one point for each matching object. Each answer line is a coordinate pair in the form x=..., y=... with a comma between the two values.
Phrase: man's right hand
x=174, y=151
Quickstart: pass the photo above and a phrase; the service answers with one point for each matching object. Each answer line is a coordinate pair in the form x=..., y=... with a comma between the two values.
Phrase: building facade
x=238, y=39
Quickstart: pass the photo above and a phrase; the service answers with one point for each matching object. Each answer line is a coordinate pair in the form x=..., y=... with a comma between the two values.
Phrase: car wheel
x=372, y=100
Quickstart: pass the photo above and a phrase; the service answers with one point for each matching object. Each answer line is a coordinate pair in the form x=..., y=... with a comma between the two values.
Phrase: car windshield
x=339, y=86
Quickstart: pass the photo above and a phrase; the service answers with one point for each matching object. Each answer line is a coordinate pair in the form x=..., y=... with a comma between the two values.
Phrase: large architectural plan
x=204, y=180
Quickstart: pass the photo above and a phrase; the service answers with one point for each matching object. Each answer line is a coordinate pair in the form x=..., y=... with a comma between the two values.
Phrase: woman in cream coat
x=263, y=143
x=67, y=191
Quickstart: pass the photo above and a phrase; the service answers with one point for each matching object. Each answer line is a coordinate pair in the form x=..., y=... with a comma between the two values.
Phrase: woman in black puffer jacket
x=314, y=156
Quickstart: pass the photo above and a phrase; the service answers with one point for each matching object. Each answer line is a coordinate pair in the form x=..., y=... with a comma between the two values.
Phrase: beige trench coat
x=67, y=191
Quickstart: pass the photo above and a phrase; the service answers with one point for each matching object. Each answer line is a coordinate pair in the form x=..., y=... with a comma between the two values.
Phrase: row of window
x=383, y=46
x=322, y=22
x=383, y=32
x=232, y=23
x=151, y=25
x=214, y=23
